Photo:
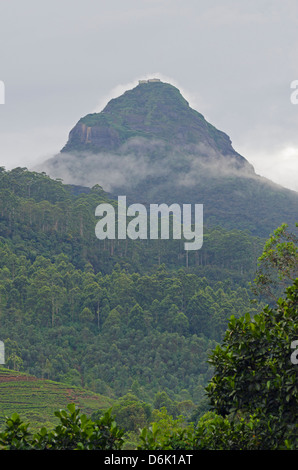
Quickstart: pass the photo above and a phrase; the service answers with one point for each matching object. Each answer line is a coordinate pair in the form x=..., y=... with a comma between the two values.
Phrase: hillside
x=112, y=316
x=36, y=400
x=151, y=146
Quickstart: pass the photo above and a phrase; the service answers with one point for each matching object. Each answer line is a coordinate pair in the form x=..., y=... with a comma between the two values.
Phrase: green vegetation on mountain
x=79, y=310
x=154, y=110
x=76, y=310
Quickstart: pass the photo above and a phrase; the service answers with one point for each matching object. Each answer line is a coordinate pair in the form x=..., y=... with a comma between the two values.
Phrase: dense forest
x=133, y=320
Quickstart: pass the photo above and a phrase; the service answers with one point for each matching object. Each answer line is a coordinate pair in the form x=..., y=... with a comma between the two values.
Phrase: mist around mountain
x=151, y=146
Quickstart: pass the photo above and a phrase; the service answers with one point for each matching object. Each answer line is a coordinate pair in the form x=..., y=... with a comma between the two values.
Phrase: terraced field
x=36, y=400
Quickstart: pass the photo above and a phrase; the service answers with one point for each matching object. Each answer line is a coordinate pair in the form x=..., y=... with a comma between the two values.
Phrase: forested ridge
x=133, y=320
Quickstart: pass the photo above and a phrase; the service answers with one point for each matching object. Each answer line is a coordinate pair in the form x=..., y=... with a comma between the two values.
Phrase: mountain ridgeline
x=151, y=146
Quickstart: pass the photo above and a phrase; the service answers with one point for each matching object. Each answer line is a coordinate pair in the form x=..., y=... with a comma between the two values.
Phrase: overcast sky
x=233, y=60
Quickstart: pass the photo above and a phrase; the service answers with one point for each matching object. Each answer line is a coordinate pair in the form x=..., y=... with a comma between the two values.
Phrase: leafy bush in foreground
x=74, y=432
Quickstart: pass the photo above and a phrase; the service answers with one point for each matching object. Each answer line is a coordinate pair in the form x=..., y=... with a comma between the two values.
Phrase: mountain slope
x=151, y=146
x=36, y=400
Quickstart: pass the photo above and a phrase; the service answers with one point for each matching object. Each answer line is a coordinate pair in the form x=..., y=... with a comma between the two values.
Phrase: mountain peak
x=153, y=110
x=147, y=95
x=150, y=145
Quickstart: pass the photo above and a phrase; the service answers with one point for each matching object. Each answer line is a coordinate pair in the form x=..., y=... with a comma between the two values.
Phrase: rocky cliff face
x=94, y=138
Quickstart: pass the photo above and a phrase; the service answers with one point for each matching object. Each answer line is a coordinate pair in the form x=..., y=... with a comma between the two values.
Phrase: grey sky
x=233, y=60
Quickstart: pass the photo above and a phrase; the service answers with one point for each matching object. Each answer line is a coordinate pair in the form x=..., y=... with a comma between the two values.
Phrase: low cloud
x=140, y=159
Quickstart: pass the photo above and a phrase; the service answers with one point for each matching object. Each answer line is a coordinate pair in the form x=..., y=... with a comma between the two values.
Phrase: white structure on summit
x=150, y=80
